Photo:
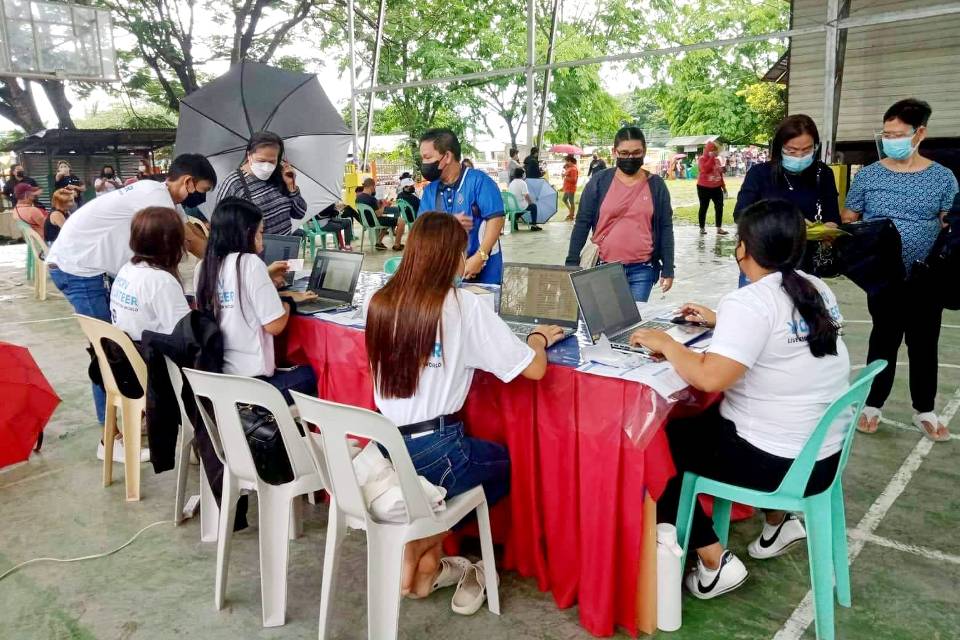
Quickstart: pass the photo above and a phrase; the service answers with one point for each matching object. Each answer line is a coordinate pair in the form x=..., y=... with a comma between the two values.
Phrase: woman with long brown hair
x=425, y=337
x=147, y=294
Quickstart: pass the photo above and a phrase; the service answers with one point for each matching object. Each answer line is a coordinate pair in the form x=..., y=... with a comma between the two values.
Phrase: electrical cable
x=16, y=568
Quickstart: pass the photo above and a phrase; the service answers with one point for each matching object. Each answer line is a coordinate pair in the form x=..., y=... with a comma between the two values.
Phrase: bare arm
x=194, y=240
x=848, y=215
x=704, y=371
x=276, y=327
x=540, y=340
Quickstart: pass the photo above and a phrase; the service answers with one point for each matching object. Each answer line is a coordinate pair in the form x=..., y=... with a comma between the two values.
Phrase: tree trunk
x=17, y=105
x=57, y=95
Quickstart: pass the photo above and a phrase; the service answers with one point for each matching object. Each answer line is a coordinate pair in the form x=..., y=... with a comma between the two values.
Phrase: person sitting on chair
x=778, y=357
x=521, y=193
x=366, y=196
x=425, y=337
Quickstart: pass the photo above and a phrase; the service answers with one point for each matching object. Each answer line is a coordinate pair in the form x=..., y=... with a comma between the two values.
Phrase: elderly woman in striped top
x=268, y=181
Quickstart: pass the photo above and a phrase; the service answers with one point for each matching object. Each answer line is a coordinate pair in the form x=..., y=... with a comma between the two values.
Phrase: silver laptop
x=534, y=294
x=280, y=248
x=334, y=280
x=608, y=308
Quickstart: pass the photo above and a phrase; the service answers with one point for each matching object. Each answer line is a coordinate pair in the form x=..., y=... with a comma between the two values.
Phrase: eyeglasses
x=631, y=154
x=894, y=135
x=798, y=153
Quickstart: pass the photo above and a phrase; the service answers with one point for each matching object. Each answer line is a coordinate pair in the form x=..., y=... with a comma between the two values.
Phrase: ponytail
x=808, y=301
x=774, y=234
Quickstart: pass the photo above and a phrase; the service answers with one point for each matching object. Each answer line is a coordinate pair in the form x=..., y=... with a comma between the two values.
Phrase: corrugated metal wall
x=918, y=58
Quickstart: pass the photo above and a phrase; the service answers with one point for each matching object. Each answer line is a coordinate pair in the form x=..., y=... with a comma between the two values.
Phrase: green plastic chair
x=511, y=209
x=391, y=265
x=406, y=212
x=312, y=231
x=370, y=224
x=23, y=227
x=823, y=513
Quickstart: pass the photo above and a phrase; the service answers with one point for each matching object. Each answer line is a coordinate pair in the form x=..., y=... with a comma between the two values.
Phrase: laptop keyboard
x=523, y=329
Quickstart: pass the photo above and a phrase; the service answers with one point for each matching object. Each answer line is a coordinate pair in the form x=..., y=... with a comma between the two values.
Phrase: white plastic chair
x=209, y=512
x=131, y=409
x=278, y=510
x=385, y=541
x=39, y=249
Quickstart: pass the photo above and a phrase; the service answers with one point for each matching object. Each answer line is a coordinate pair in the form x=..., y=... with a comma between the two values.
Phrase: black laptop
x=278, y=248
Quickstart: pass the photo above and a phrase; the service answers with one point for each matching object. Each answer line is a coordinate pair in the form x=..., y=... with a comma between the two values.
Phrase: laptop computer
x=334, y=280
x=608, y=308
x=534, y=294
x=280, y=248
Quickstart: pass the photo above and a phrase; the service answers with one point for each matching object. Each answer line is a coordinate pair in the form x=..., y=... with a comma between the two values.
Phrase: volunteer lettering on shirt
x=144, y=298
x=780, y=399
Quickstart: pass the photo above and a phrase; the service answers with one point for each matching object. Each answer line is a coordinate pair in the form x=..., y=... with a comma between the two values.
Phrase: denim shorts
x=449, y=459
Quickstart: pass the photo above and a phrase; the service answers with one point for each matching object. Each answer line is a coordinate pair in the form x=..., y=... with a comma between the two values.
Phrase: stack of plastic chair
x=131, y=408
x=823, y=513
x=385, y=540
x=278, y=509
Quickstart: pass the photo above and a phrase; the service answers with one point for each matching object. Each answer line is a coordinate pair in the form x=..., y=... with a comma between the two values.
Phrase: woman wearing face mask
x=915, y=193
x=65, y=179
x=107, y=182
x=631, y=217
x=17, y=175
x=268, y=181
x=425, y=337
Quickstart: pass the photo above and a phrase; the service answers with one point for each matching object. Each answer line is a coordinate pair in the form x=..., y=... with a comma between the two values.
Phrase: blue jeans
x=457, y=463
x=89, y=296
x=642, y=276
x=299, y=378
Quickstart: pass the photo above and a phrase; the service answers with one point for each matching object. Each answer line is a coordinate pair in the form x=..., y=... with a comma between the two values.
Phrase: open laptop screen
x=335, y=274
x=605, y=300
x=277, y=247
x=538, y=294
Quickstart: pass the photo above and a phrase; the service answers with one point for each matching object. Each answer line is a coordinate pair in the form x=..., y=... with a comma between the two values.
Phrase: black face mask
x=108, y=174
x=19, y=174
x=194, y=199
x=431, y=171
x=630, y=166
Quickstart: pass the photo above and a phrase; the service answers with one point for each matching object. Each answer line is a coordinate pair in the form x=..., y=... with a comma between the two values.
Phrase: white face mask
x=262, y=170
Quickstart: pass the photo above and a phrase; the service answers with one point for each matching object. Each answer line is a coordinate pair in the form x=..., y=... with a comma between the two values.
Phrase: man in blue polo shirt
x=471, y=195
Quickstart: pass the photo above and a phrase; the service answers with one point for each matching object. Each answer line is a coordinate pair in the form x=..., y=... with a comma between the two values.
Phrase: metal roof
x=689, y=141
x=92, y=141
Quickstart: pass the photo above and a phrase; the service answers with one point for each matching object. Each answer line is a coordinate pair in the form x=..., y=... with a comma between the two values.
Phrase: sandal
x=930, y=426
x=869, y=420
x=471, y=592
x=451, y=572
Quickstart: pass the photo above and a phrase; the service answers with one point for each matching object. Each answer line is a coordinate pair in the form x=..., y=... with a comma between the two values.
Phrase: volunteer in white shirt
x=425, y=337
x=147, y=294
x=94, y=243
x=778, y=357
x=521, y=193
x=234, y=284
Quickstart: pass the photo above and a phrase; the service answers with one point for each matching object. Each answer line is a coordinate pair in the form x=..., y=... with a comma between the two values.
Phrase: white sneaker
x=777, y=539
x=705, y=583
x=118, y=452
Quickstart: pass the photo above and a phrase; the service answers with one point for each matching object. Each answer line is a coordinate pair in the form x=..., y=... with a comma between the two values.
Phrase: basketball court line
x=20, y=322
x=917, y=550
x=801, y=618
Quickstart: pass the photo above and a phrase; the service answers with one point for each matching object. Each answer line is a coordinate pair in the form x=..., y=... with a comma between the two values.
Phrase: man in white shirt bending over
x=95, y=241
x=518, y=187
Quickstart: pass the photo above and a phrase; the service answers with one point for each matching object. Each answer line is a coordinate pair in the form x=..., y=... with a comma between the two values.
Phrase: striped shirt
x=278, y=206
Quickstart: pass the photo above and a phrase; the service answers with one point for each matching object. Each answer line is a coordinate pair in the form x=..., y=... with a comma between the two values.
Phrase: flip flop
x=939, y=433
x=869, y=420
x=451, y=572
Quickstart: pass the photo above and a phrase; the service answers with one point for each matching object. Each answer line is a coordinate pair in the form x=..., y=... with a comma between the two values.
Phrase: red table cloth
x=573, y=518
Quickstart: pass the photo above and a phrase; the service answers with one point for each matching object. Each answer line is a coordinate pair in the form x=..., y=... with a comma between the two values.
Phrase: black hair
x=194, y=165
x=570, y=158
x=534, y=150
x=513, y=152
x=406, y=174
x=629, y=133
x=103, y=170
x=517, y=174
x=915, y=113
x=774, y=234
x=269, y=139
x=443, y=140
x=233, y=229
x=788, y=129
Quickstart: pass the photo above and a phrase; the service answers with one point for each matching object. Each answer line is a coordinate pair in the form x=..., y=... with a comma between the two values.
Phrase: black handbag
x=937, y=275
x=870, y=255
x=266, y=444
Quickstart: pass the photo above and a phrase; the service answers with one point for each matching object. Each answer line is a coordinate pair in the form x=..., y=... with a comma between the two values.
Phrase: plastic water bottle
x=669, y=578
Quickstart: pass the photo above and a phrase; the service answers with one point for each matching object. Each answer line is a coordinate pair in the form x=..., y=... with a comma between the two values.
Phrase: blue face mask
x=457, y=281
x=796, y=165
x=898, y=148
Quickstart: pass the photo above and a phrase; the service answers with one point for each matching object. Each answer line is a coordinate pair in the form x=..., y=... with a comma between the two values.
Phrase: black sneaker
x=777, y=539
x=705, y=584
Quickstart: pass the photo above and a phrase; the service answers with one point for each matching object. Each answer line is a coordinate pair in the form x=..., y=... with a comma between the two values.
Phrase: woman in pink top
x=27, y=209
x=630, y=214
x=710, y=187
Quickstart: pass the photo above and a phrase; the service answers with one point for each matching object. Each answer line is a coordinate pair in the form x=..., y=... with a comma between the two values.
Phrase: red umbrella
x=28, y=402
x=567, y=148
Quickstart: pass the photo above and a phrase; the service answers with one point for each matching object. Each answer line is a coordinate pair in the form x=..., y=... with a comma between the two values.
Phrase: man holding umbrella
x=471, y=195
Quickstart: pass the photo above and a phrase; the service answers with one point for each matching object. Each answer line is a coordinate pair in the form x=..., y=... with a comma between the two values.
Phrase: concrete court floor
x=906, y=581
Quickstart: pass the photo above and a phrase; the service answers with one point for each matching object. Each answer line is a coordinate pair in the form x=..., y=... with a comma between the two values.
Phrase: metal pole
x=547, y=73
x=353, y=88
x=829, y=134
x=531, y=59
x=373, y=81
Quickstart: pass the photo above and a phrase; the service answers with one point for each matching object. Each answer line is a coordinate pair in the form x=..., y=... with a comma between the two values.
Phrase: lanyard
x=450, y=202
